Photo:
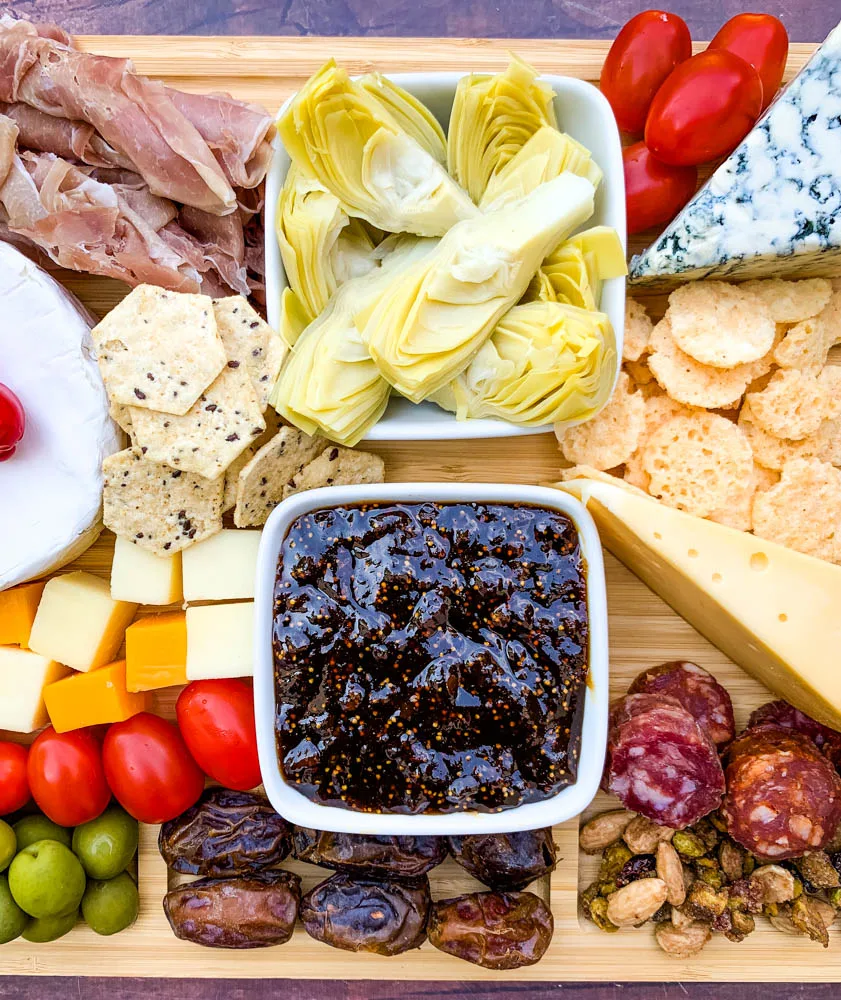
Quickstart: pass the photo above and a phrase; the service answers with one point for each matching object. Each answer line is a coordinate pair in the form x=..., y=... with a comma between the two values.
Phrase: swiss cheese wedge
x=773, y=611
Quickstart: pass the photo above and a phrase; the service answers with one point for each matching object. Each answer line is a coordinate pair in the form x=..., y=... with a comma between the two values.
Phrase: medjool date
x=365, y=914
x=506, y=860
x=224, y=834
x=497, y=930
x=394, y=857
x=250, y=911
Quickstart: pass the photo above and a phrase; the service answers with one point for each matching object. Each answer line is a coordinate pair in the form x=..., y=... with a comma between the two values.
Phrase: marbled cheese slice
x=774, y=206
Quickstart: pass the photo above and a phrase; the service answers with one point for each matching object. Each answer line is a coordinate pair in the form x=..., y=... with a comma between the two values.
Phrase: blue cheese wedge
x=774, y=206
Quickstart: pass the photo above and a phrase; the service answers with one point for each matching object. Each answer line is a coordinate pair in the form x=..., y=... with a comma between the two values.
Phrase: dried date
x=506, y=861
x=392, y=857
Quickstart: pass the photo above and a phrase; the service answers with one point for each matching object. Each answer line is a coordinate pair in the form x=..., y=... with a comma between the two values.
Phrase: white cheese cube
x=23, y=676
x=143, y=577
x=78, y=623
x=220, y=641
x=222, y=567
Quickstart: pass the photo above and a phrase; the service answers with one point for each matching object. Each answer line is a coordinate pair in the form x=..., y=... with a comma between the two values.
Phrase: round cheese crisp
x=51, y=488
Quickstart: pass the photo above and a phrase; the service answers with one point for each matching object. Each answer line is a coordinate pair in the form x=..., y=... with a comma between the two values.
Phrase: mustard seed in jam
x=430, y=657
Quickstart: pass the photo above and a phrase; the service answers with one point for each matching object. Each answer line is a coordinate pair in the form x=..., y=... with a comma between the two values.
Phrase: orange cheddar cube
x=17, y=613
x=156, y=652
x=92, y=699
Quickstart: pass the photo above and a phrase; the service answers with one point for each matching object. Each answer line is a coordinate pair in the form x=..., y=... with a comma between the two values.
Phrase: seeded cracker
x=803, y=511
x=159, y=350
x=773, y=453
x=791, y=301
x=156, y=507
x=793, y=405
x=261, y=483
x=337, y=466
x=638, y=329
x=611, y=437
x=273, y=424
x=250, y=342
x=121, y=416
x=697, y=463
x=719, y=324
x=205, y=440
x=694, y=384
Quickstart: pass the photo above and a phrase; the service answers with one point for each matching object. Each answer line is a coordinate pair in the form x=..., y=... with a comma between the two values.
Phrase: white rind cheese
x=773, y=208
x=51, y=488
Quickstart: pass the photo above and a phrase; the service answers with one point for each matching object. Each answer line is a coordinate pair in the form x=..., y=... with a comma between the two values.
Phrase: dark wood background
x=806, y=21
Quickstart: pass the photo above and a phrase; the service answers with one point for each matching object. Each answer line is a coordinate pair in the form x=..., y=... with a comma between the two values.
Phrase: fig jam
x=430, y=657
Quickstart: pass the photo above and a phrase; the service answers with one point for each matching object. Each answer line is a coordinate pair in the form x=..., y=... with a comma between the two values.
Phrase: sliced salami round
x=784, y=716
x=697, y=690
x=783, y=796
x=661, y=763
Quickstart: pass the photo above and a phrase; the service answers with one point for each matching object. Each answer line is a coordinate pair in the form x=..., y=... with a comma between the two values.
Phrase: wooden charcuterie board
x=643, y=630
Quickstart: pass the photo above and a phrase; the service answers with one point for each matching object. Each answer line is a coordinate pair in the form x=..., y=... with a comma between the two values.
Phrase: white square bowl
x=582, y=112
x=293, y=805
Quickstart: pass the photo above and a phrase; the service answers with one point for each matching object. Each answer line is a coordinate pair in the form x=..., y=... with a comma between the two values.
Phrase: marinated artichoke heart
x=493, y=117
x=546, y=155
x=411, y=115
x=337, y=132
x=329, y=383
x=294, y=318
x=574, y=271
x=544, y=363
x=430, y=322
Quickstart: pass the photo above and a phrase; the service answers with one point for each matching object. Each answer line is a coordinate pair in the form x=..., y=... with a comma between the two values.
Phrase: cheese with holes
x=51, y=492
x=17, y=613
x=220, y=641
x=156, y=652
x=223, y=567
x=773, y=611
x=144, y=577
x=78, y=623
x=773, y=208
x=23, y=677
x=92, y=699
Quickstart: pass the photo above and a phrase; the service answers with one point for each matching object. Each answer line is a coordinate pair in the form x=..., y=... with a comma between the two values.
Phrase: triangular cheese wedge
x=773, y=611
x=773, y=208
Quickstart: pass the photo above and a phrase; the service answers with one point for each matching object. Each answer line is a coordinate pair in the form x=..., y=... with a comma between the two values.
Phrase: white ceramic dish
x=569, y=802
x=586, y=116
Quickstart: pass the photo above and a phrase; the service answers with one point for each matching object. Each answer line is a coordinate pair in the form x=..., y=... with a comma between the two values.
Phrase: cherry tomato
x=704, y=109
x=14, y=785
x=762, y=41
x=643, y=54
x=12, y=422
x=216, y=719
x=66, y=777
x=149, y=769
x=654, y=191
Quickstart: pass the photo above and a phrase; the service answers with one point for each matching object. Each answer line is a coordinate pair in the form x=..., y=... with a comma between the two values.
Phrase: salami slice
x=697, y=690
x=661, y=763
x=785, y=716
x=783, y=796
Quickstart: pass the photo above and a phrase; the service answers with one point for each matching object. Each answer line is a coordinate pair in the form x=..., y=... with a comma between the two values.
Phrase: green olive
x=106, y=845
x=112, y=905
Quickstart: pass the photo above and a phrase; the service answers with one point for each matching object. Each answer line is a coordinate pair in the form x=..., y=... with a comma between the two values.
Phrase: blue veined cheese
x=774, y=206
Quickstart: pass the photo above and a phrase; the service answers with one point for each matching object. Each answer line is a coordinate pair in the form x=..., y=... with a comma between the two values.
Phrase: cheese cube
x=23, y=677
x=156, y=652
x=220, y=641
x=92, y=699
x=222, y=567
x=141, y=576
x=17, y=613
x=78, y=623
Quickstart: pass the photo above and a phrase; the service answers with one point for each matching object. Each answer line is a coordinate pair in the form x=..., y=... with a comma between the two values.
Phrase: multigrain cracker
x=121, y=416
x=793, y=405
x=611, y=437
x=159, y=350
x=208, y=437
x=803, y=511
x=773, y=453
x=251, y=343
x=638, y=327
x=337, y=466
x=156, y=507
x=261, y=482
x=719, y=324
x=791, y=301
x=697, y=463
x=273, y=424
x=694, y=384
